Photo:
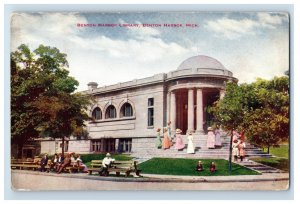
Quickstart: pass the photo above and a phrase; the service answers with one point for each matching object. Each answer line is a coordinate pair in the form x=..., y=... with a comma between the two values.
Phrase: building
x=126, y=115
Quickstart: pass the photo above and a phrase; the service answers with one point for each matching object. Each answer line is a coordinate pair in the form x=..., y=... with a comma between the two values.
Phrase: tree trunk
x=268, y=150
x=230, y=151
x=63, y=146
x=19, y=151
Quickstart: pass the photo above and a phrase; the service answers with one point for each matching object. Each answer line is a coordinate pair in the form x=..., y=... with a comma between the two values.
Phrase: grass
x=282, y=151
x=281, y=159
x=186, y=167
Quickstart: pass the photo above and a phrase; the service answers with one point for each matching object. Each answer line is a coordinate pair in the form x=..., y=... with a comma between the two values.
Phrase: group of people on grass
x=59, y=162
x=212, y=167
x=213, y=139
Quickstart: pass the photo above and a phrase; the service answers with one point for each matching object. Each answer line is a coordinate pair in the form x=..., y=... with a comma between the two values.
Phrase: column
x=191, y=111
x=222, y=93
x=117, y=145
x=173, y=111
x=199, y=112
x=168, y=107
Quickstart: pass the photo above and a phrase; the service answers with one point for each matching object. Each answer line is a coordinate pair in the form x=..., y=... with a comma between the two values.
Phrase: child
x=199, y=166
x=212, y=167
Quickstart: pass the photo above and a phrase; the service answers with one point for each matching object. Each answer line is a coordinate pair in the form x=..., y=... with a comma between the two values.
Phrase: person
x=210, y=143
x=66, y=162
x=169, y=131
x=106, y=163
x=81, y=164
x=235, y=150
x=158, y=139
x=179, y=142
x=236, y=135
x=54, y=161
x=212, y=167
x=190, y=147
x=218, y=141
x=59, y=161
x=241, y=147
x=44, y=162
x=166, y=141
x=199, y=166
x=73, y=160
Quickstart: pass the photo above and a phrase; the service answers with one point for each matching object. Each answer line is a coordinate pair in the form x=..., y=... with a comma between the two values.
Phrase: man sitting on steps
x=106, y=163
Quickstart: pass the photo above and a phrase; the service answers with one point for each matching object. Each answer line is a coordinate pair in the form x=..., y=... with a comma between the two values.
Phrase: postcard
x=150, y=101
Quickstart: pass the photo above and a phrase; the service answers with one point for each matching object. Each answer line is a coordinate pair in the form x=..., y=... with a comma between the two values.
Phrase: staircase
x=260, y=167
x=145, y=150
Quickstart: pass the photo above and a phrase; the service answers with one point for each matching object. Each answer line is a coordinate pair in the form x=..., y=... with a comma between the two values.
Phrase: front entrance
x=209, y=96
x=182, y=109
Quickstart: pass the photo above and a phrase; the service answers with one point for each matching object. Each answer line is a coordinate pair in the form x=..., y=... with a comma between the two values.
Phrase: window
x=111, y=112
x=125, y=145
x=103, y=145
x=126, y=110
x=97, y=114
x=96, y=146
x=150, y=111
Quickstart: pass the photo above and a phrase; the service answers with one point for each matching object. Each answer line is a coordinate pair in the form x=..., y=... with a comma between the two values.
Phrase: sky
x=250, y=44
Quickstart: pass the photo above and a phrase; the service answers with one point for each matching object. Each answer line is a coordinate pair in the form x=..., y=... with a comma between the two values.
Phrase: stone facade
x=128, y=114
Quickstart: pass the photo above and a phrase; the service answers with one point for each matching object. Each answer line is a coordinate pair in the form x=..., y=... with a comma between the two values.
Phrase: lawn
x=281, y=159
x=282, y=151
x=186, y=167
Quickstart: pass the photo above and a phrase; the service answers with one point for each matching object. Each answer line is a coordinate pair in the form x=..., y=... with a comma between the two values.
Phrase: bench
x=34, y=165
x=95, y=166
x=73, y=167
x=118, y=167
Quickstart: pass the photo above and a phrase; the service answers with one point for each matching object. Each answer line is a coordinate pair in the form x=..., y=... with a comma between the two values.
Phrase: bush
x=88, y=157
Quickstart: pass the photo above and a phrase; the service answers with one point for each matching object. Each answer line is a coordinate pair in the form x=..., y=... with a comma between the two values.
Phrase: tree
x=261, y=109
x=43, y=102
x=268, y=124
x=229, y=111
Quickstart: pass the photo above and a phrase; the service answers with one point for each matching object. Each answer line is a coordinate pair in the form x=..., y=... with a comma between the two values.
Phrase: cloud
x=99, y=57
x=231, y=28
x=235, y=28
x=140, y=32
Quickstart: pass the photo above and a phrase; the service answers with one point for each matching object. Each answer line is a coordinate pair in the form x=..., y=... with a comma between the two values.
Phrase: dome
x=201, y=61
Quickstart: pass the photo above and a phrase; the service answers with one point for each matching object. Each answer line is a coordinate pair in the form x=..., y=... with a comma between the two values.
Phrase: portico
x=188, y=108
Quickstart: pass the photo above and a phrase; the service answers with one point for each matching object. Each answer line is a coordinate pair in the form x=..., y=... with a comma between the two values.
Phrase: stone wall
x=79, y=146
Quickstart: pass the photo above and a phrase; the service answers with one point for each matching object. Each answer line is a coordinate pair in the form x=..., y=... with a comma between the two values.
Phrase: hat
x=209, y=128
x=158, y=130
x=190, y=133
x=199, y=161
x=235, y=141
x=178, y=131
x=108, y=154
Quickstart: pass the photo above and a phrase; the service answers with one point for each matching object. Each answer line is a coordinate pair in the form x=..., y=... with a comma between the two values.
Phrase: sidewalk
x=167, y=178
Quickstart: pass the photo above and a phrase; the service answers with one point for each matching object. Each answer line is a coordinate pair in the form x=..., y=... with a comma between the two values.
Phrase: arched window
x=97, y=114
x=126, y=110
x=111, y=112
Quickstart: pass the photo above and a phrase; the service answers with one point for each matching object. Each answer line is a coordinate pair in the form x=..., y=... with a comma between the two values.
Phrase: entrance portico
x=187, y=108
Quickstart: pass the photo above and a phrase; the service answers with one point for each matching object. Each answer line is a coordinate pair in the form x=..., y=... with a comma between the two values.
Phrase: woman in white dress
x=210, y=143
x=190, y=147
x=218, y=141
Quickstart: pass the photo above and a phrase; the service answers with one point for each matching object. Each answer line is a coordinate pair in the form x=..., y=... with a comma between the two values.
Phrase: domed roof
x=201, y=61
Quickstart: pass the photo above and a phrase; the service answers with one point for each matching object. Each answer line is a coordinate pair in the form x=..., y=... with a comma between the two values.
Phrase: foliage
x=86, y=158
x=261, y=109
x=42, y=98
x=168, y=166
